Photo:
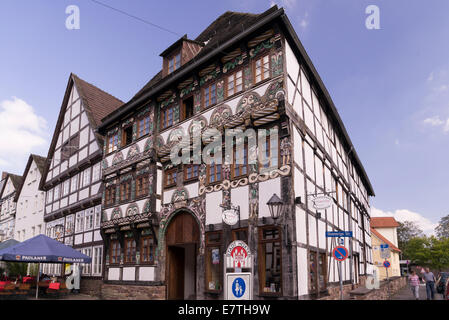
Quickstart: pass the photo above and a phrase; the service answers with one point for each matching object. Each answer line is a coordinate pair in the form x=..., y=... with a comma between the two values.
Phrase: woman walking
x=414, y=284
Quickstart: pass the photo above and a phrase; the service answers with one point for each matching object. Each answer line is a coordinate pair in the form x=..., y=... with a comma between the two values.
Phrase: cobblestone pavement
x=406, y=294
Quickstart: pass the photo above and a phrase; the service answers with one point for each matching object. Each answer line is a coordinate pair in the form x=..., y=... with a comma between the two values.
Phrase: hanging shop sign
x=230, y=217
x=238, y=255
x=322, y=202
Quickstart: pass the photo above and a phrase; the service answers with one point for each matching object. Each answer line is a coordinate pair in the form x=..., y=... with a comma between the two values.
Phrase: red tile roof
x=385, y=240
x=384, y=222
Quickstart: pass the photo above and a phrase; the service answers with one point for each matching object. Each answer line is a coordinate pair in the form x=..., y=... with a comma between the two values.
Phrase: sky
x=390, y=85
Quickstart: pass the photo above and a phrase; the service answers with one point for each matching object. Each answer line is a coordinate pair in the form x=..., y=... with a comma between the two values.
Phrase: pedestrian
x=429, y=277
x=414, y=284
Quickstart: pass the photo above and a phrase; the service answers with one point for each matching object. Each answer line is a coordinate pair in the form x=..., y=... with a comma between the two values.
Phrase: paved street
x=406, y=294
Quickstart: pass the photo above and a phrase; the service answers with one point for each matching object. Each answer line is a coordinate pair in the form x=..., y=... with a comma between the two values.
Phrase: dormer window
x=174, y=63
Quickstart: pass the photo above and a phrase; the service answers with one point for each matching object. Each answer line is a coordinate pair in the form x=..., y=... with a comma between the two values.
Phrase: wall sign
x=238, y=255
x=322, y=202
x=238, y=286
x=230, y=217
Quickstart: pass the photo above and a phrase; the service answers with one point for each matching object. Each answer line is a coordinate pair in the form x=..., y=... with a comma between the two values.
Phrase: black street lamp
x=276, y=207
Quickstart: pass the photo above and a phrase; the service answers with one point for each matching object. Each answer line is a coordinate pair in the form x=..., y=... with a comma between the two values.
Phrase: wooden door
x=176, y=273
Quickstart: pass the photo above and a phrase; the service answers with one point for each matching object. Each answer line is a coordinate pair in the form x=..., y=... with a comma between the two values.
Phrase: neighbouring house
x=30, y=201
x=384, y=231
x=162, y=222
x=10, y=186
x=72, y=176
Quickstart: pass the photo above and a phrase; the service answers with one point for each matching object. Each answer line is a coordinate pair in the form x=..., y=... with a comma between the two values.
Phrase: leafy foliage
x=16, y=268
x=442, y=230
x=428, y=251
x=406, y=231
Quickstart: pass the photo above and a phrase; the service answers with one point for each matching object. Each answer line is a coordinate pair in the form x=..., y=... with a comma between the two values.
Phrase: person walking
x=414, y=284
x=429, y=277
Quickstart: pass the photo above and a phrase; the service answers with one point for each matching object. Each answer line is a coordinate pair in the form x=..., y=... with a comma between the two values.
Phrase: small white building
x=29, y=220
x=8, y=206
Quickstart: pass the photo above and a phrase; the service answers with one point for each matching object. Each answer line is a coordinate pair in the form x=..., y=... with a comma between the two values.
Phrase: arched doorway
x=181, y=239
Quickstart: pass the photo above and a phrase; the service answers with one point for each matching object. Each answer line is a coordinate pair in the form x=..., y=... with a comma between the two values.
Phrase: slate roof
x=385, y=240
x=384, y=222
x=41, y=163
x=16, y=182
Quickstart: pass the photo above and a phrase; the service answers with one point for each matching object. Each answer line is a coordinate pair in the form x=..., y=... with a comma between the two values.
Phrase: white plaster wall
x=213, y=210
x=297, y=146
x=322, y=234
x=129, y=274
x=192, y=189
x=303, y=287
x=266, y=190
x=146, y=274
x=240, y=197
x=301, y=231
x=167, y=195
x=97, y=235
x=78, y=238
x=312, y=231
x=113, y=273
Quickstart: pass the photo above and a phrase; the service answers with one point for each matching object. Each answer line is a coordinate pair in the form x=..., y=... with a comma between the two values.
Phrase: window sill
x=270, y=294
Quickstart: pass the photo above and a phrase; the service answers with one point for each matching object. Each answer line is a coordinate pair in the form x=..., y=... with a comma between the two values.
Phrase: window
x=270, y=268
x=261, y=69
x=79, y=223
x=114, y=252
x=187, y=108
x=109, y=198
x=98, y=216
x=210, y=95
x=56, y=192
x=97, y=260
x=89, y=219
x=65, y=187
x=49, y=196
x=96, y=171
x=144, y=126
x=142, y=186
x=174, y=63
x=112, y=142
x=87, y=267
x=125, y=190
x=127, y=135
x=191, y=172
x=167, y=117
x=214, y=172
x=234, y=83
x=271, y=154
x=240, y=166
x=70, y=147
x=74, y=183
x=147, y=249
x=86, y=177
x=240, y=234
x=69, y=224
x=130, y=250
x=170, y=177
x=213, y=261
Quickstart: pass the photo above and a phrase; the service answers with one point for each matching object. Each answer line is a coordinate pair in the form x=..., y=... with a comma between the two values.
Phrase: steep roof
x=97, y=104
x=95, y=101
x=384, y=222
x=385, y=240
x=41, y=162
x=16, y=182
x=222, y=29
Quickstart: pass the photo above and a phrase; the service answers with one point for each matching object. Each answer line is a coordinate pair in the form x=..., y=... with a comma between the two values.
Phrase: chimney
x=4, y=174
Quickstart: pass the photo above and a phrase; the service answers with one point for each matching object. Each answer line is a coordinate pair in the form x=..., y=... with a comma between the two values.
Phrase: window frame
x=208, y=256
x=175, y=62
x=240, y=166
x=146, y=125
x=164, y=117
x=203, y=95
x=186, y=170
x=114, y=251
x=110, y=193
x=167, y=174
x=125, y=191
x=125, y=135
x=112, y=142
x=151, y=250
x=145, y=185
x=126, y=242
x=233, y=75
x=261, y=263
x=262, y=76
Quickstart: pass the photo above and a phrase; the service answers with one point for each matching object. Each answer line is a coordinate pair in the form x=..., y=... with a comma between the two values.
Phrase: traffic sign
x=386, y=264
x=338, y=234
x=238, y=286
x=340, y=253
x=341, y=241
x=385, y=251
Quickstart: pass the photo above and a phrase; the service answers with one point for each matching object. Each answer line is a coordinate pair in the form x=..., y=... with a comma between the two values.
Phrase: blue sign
x=340, y=253
x=341, y=241
x=384, y=246
x=386, y=264
x=238, y=287
x=338, y=234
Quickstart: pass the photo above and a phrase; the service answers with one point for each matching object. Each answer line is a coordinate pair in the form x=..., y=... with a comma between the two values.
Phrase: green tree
x=16, y=268
x=439, y=253
x=442, y=230
x=406, y=231
x=417, y=250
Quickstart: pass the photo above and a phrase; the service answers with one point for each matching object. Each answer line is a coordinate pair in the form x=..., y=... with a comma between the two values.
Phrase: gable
x=9, y=188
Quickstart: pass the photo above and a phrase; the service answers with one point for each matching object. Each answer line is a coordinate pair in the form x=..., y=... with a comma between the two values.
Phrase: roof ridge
x=92, y=85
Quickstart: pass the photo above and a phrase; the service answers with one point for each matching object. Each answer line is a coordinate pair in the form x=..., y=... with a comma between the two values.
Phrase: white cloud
x=430, y=78
x=434, y=121
x=21, y=130
x=427, y=226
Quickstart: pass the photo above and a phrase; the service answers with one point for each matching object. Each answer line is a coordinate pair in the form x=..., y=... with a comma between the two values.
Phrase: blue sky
x=391, y=86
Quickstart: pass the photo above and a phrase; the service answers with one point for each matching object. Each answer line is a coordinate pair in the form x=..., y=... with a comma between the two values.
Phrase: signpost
x=239, y=272
x=340, y=254
x=385, y=251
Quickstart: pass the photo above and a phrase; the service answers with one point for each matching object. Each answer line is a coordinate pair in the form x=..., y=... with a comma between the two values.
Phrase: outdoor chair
x=57, y=289
x=23, y=289
x=8, y=291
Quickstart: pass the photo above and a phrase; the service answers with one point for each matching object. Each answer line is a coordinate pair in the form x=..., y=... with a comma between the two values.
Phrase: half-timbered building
x=72, y=177
x=8, y=205
x=162, y=222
